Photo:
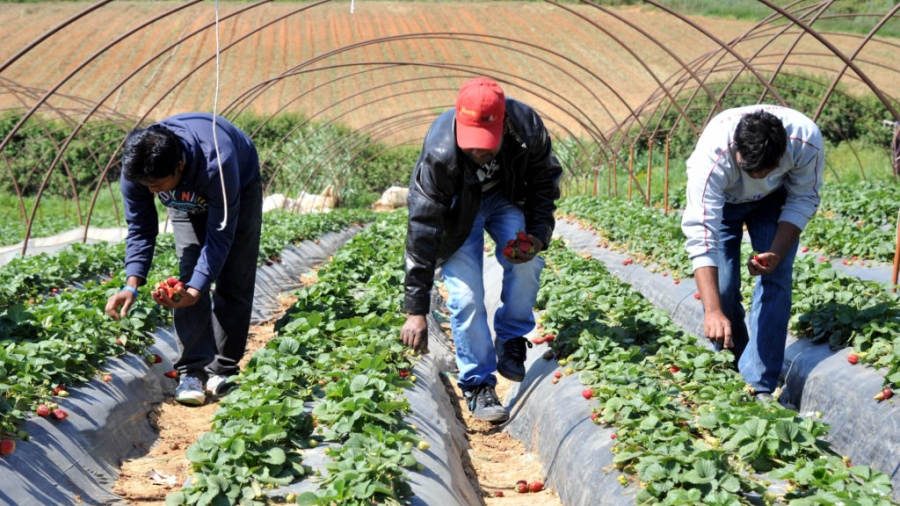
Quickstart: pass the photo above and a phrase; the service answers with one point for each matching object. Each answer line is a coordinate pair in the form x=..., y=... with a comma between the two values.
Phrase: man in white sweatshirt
x=759, y=166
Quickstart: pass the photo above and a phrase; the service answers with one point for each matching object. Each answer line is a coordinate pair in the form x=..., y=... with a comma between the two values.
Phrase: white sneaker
x=190, y=391
x=218, y=384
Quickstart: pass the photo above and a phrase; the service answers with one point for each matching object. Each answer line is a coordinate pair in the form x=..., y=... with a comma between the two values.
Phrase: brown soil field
x=383, y=67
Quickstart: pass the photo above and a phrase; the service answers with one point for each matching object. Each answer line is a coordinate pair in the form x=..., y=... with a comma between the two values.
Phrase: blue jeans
x=759, y=355
x=464, y=280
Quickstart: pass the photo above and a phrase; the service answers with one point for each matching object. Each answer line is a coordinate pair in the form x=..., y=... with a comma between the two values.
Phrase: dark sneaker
x=511, y=358
x=484, y=404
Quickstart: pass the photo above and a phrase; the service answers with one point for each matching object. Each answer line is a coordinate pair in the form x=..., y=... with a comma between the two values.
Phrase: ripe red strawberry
x=760, y=260
x=7, y=446
x=697, y=295
x=823, y=259
x=522, y=486
x=804, y=249
x=853, y=358
x=171, y=374
x=612, y=436
x=549, y=338
x=156, y=358
x=498, y=493
x=525, y=246
x=536, y=486
x=557, y=375
x=887, y=393
x=594, y=416
x=587, y=393
x=673, y=369
x=538, y=340
x=107, y=377
x=58, y=388
x=403, y=372
x=507, y=252
x=43, y=410
x=522, y=236
x=171, y=281
x=54, y=290
x=59, y=414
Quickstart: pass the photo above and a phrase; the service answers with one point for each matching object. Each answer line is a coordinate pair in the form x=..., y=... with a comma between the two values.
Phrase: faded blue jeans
x=759, y=354
x=464, y=279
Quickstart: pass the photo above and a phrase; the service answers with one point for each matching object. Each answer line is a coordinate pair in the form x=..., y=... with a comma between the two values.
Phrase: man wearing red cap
x=486, y=165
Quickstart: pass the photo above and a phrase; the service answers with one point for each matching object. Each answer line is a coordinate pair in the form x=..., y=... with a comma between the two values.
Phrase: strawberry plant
x=62, y=338
x=336, y=348
x=283, y=228
x=688, y=437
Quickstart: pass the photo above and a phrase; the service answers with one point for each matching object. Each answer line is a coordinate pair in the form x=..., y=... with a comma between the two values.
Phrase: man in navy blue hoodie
x=214, y=202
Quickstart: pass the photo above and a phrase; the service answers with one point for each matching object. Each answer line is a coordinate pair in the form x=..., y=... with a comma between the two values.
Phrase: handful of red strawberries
x=169, y=288
x=519, y=247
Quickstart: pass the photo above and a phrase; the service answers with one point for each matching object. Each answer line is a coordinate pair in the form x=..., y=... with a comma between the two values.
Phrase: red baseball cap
x=480, y=107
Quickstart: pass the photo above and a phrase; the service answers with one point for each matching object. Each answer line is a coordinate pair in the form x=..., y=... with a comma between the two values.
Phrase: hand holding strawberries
x=763, y=263
x=172, y=293
x=522, y=248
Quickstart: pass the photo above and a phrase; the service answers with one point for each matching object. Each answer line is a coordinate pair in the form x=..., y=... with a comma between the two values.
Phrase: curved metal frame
x=387, y=80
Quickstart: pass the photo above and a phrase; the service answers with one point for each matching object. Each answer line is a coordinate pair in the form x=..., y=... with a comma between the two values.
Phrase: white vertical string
x=215, y=135
x=351, y=6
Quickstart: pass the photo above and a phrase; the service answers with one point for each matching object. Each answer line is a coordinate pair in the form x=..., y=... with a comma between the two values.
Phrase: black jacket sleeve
x=431, y=193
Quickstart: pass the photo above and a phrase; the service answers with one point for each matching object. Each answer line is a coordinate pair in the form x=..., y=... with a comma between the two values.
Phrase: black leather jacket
x=445, y=193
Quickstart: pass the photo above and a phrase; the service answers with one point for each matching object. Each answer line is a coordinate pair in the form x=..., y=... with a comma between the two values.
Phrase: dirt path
x=164, y=469
x=496, y=461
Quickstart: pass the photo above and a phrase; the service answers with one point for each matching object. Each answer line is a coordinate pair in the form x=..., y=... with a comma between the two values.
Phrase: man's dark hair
x=761, y=140
x=150, y=153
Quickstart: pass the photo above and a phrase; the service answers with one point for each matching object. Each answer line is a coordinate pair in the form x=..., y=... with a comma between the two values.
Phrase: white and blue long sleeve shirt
x=714, y=178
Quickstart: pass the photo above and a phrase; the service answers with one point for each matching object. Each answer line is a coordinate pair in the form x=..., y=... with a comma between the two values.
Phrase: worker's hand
x=522, y=257
x=188, y=298
x=124, y=300
x=717, y=328
x=415, y=332
x=763, y=263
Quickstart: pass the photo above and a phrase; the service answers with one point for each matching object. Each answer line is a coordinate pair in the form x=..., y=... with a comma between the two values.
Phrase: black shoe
x=484, y=404
x=511, y=358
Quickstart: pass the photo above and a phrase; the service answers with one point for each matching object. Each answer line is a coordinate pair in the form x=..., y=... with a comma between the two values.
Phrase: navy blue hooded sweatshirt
x=199, y=191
